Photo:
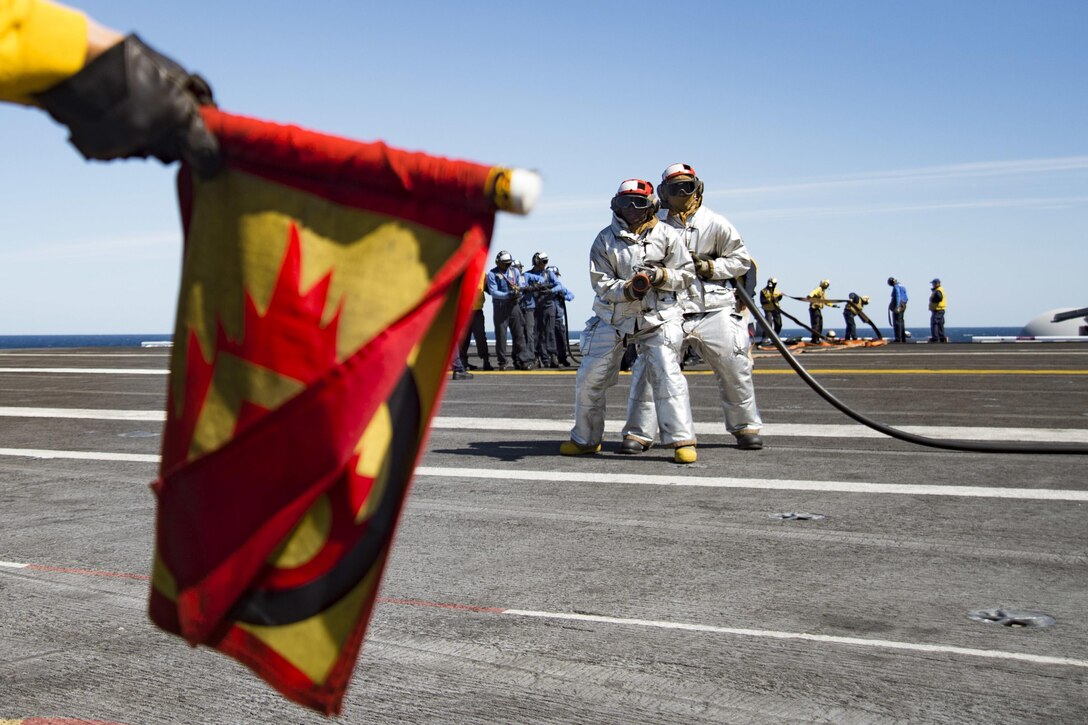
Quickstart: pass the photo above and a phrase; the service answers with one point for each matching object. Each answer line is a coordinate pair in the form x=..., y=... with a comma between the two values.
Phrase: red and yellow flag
x=324, y=289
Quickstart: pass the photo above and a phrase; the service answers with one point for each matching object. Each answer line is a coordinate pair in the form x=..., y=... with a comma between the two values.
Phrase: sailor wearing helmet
x=639, y=269
x=770, y=299
x=714, y=324
x=544, y=286
x=937, y=306
x=523, y=344
x=504, y=286
x=817, y=300
x=897, y=309
x=854, y=305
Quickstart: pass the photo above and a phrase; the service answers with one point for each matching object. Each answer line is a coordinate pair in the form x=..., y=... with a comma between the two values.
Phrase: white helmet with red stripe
x=679, y=180
x=635, y=194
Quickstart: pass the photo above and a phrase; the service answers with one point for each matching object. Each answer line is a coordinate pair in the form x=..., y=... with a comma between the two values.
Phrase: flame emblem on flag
x=288, y=342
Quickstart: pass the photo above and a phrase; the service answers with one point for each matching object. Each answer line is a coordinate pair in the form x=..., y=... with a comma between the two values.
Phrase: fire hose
x=946, y=444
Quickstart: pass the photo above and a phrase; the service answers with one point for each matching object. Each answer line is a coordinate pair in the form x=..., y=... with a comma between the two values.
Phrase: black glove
x=132, y=101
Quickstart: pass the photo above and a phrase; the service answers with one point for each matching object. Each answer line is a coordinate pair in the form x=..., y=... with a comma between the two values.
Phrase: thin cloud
x=1062, y=202
x=974, y=170
x=34, y=251
x=1025, y=167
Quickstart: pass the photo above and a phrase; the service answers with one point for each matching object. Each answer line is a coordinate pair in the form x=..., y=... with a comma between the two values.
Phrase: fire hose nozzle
x=640, y=284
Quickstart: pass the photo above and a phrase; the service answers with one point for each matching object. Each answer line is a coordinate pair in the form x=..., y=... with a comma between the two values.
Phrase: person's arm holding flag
x=118, y=97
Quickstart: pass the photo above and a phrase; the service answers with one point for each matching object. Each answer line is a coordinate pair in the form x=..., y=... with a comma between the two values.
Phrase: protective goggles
x=633, y=201
x=680, y=188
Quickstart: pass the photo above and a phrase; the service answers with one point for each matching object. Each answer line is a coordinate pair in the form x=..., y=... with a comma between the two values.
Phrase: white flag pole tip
x=525, y=188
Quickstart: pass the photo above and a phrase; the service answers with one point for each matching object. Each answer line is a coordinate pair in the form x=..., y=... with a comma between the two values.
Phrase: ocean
x=10, y=342
x=54, y=341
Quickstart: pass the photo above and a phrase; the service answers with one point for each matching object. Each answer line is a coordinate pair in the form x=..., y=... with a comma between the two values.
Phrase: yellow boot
x=685, y=454
x=570, y=448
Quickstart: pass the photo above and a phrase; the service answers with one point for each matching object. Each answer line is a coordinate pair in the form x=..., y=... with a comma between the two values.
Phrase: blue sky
x=845, y=140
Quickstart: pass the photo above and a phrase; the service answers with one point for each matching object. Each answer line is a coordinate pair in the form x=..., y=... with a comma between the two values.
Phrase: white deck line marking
x=800, y=430
x=796, y=430
x=89, y=371
x=829, y=639
x=79, y=455
x=82, y=413
x=1030, y=494
x=763, y=484
x=761, y=633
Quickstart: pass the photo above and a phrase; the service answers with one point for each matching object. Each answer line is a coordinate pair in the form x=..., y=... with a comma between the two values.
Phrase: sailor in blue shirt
x=504, y=285
x=544, y=286
x=898, y=309
x=562, y=331
x=527, y=303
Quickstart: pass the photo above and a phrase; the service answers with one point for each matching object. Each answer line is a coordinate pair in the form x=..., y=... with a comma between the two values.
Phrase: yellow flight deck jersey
x=41, y=44
x=769, y=299
x=817, y=296
x=935, y=304
x=478, y=300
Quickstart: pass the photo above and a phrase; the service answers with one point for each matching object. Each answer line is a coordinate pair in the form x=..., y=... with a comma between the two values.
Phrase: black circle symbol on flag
x=277, y=607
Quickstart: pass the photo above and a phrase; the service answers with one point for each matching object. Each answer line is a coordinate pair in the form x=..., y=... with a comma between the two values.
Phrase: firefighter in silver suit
x=639, y=269
x=714, y=323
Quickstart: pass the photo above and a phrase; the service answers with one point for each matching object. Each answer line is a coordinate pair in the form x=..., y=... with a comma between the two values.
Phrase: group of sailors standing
x=530, y=307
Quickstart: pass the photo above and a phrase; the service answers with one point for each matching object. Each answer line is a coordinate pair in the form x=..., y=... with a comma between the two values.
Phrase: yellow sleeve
x=478, y=300
x=41, y=44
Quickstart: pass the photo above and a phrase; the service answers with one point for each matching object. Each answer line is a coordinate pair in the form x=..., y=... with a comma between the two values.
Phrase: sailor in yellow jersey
x=854, y=306
x=770, y=299
x=937, y=305
x=816, y=303
x=118, y=97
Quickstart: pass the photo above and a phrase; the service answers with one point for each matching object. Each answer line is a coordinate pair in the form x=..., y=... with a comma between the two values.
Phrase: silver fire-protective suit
x=653, y=323
x=711, y=325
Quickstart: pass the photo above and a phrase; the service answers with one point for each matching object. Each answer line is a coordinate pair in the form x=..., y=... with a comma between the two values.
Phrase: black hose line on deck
x=950, y=444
